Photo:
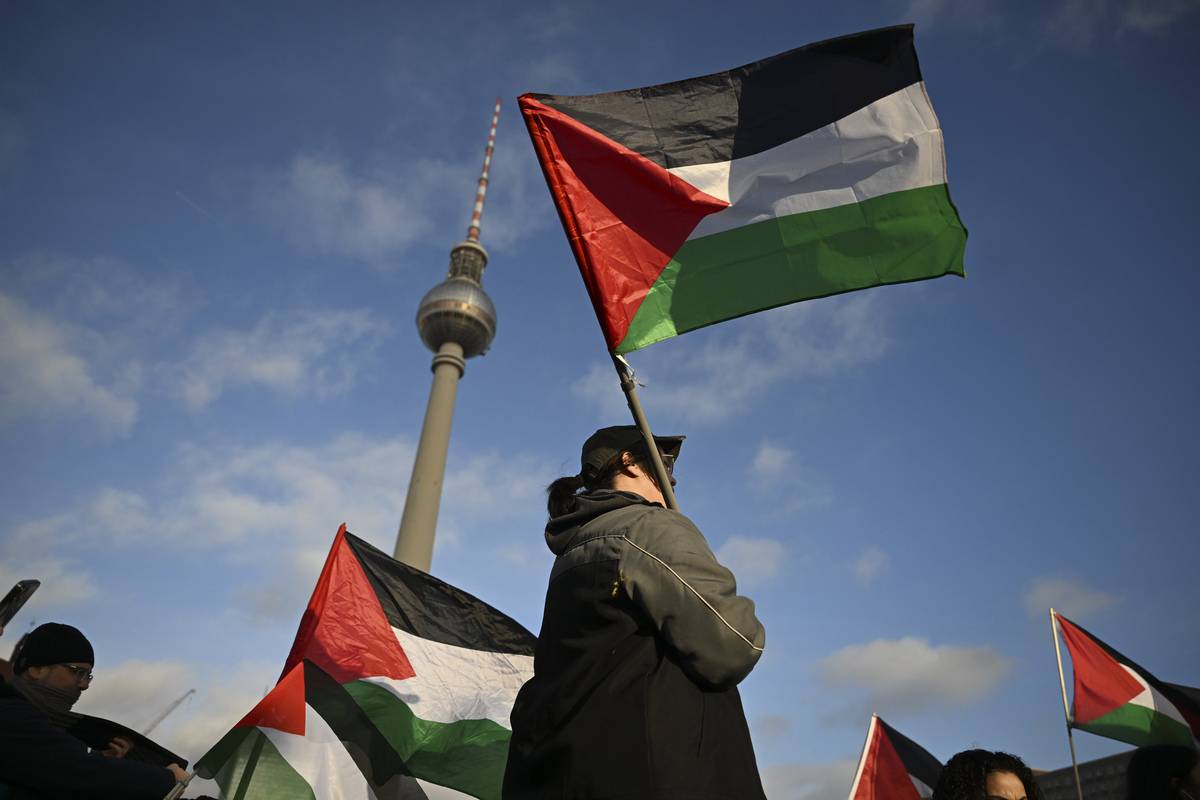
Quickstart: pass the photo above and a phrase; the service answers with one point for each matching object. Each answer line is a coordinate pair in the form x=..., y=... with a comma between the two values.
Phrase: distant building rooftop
x=1102, y=779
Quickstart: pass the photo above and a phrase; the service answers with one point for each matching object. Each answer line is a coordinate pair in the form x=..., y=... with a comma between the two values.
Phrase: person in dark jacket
x=643, y=642
x=38, y=758
x=1163, y=772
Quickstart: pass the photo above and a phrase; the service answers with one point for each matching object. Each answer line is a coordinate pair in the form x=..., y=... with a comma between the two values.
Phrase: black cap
x=606, y=443
x=53, y=643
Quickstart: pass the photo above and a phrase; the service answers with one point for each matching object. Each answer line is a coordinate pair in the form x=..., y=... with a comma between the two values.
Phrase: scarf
x=55, y=703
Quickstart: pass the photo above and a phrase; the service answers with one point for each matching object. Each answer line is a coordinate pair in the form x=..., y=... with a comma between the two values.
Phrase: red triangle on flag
x=881, y=773
x=1101, y=683
x=283, y=708
x=624, y=215
x=344, y=630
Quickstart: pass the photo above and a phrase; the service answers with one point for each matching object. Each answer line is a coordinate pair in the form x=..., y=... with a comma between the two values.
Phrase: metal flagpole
x=625, y=372
x=179, y=789
x=1062, y=683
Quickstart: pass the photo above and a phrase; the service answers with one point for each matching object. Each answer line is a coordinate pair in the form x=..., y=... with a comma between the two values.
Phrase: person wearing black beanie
x=38, y=757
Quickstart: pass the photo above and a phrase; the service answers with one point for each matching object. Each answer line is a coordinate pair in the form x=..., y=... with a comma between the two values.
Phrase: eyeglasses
x=668, y=462
x=82, y=674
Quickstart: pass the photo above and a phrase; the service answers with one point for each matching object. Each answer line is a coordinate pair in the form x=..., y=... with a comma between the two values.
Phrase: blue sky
x=219, y=220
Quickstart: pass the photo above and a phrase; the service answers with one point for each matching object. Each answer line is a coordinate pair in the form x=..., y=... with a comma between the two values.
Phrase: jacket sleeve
x=668, y=570
x=37, y=755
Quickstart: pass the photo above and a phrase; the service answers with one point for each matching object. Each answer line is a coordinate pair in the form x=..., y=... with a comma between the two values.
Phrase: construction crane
x=167, y=712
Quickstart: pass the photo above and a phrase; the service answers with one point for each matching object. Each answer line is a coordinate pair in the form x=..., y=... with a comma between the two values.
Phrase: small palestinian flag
x=1116, y=698
x=893, y=767
x=407, y=683
x=807, y=174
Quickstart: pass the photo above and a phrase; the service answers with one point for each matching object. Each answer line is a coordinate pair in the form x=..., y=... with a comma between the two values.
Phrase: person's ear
x=37, y=673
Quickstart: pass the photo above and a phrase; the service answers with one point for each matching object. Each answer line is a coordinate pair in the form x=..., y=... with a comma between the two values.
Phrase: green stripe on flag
x=272, y=778
x=905, y=236
x=467, y=755
x=1140, y=726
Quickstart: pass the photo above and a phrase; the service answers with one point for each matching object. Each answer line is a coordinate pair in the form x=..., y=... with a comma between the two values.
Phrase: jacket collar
x=561, y=531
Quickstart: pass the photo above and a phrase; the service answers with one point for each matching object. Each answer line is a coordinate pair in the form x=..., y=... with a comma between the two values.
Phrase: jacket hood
x=562, y=531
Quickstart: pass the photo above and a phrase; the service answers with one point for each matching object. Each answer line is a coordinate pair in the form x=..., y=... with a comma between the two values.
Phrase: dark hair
x=965, y=775
x=561, y=493
x=1154, y=772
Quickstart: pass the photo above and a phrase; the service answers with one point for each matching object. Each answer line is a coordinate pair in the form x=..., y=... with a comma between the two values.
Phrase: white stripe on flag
x=892, y=145
x=321, y=759
x=1152, y=699
x=457, y=683
x=437, y=792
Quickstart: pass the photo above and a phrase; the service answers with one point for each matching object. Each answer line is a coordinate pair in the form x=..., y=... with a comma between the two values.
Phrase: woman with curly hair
x=984, y=775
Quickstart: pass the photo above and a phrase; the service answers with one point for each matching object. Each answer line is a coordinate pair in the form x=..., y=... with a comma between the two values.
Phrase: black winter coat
x=41, y=761
x=643, y=642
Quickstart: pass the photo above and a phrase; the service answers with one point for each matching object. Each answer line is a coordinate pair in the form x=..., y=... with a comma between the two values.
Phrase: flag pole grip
x=639, y=418
x=1062, y=684
x=178, y=789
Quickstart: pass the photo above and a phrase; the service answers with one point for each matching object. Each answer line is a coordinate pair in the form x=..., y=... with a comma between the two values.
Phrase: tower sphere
x=457, y=310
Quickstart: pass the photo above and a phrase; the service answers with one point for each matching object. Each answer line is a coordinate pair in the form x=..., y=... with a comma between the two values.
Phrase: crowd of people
x=644, y=641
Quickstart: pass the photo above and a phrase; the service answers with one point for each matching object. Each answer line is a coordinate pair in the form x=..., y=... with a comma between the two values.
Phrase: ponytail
x=562, y=492
x=561, y=499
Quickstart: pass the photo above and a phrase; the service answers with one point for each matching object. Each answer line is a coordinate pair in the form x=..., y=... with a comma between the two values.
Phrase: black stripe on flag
x=916, y=759
x=378, y=761
x=420, y=604
x=755, y=107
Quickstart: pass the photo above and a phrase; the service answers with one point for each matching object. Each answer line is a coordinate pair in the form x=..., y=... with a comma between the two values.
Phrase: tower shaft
x=414, y=541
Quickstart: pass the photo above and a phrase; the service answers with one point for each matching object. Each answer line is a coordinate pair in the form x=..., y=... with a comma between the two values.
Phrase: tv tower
x=456, y=320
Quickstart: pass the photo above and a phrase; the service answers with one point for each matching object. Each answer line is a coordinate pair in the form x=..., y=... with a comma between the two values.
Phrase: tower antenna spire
x=477, y=212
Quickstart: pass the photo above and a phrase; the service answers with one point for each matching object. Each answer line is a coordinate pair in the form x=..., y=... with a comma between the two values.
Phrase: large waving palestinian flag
x=397, y=683
x=893, y=767
x=1116, y=698
x=807, y=174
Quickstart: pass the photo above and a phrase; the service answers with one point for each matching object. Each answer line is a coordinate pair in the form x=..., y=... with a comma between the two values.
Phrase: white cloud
x=373, y=214
x=732, y=370
x=771, y=725
x=281, y=504
x=316, y=353
x=135, y=692
x=1155, y=16
x=47, y=374
x=101, y=294
x=771, y=462
x=1071, y=24
x=796, y=487
x=976, y=16
x=63, y=584
x=808, y=781
x=1078, y=24
x=320, y=202
x=872, y=563
x=1074, y=23
x=907, y=675
x=1066, y=596
x=752, y=560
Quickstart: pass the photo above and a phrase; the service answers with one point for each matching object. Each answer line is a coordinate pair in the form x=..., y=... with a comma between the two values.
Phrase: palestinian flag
x=396, y=682
x=807, y=174
x=1116, y=698
x=893, y=767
